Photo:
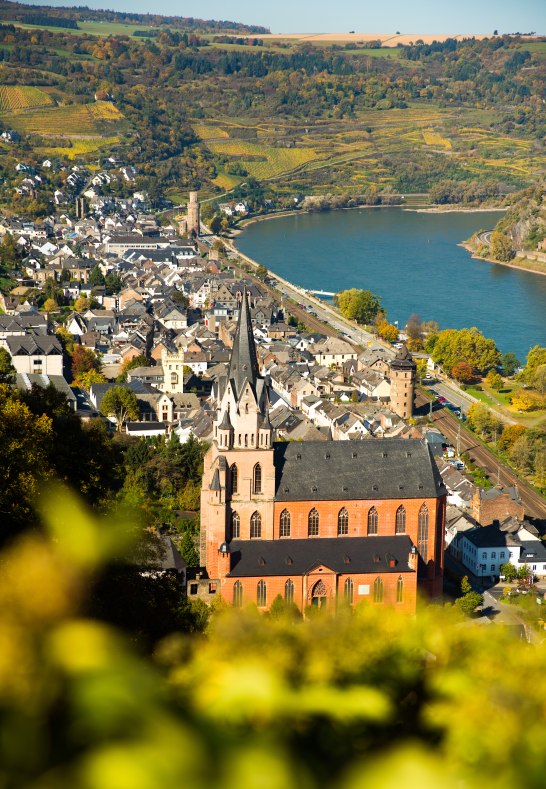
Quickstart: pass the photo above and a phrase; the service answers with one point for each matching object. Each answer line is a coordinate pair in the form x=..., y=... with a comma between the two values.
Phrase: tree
x=83, y=360
x=82, y=304
x=539, y=379
x=261, y=271
x=113, y=283
x=494, y=380
x=7, y=370
x=465, y=345
x=388, y=331
x=86, y=379
x=509, y=572
x=120, y=402
x=177, y=297
x=96, y=277
x=524, y=573
x=50, y=305
x=469, y=602
x=215, y=224
x=509, y=363
x=510, y=435
x=524, y=400
x=463, y=372
x=480, y=419
x=465, y=585
x=501, y=247
x=361, y=306
x=414, y=327
x=535, y=358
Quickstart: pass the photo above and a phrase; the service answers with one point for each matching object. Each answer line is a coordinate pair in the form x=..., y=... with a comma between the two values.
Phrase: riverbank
x=452, y=209
x=530, y=266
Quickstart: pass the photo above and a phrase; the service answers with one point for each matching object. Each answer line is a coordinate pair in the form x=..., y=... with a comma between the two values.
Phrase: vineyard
x=77, y=119
x=262, y=161
x=22, y=97
x=80, y=147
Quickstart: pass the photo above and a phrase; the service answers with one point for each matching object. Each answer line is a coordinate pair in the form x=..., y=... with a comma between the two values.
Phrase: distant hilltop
x=385, y=39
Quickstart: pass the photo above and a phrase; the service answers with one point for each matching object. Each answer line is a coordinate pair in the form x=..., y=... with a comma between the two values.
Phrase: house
x=484, y=549
x=497, y=503
x=35, y=354
x=25, y=382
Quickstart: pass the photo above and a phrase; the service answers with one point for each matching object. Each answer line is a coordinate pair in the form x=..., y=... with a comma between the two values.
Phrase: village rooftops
x=389, y=469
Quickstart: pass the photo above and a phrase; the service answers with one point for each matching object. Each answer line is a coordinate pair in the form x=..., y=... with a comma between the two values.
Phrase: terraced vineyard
x=21, y=97
x=262, y=161
x=80, y=147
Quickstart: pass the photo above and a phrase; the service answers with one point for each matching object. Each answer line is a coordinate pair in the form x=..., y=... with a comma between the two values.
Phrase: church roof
x=393, y=468
x=244, y=361
x=347, y=555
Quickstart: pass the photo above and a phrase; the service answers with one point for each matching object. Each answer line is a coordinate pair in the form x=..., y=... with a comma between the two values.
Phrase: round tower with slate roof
x=402, y=373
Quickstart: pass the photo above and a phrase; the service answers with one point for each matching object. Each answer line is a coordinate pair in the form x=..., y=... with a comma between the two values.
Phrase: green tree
x=465, y=345
x=469, y=602
x=535, y=358
x=96, y=277
x=494, y=380
x=261, y=271
x=120, y=402
x=501, y=247
x=7, y=370
x=509, y=572
x=465, y=585
x=131, y=364
x=509, y=363
x=113, y=282
x=361, y=306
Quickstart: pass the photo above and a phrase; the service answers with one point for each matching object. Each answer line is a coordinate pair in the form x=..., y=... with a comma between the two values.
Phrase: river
x=412, y=261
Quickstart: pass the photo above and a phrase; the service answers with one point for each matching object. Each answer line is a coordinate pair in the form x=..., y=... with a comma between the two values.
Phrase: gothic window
x=319, y=595
x=400, y=527
x=255, y=526
x=261, y=597
x=237, y=594
x=373, y=521
x=378, y=590
x=234, y=479
x=284, y=530
x=313, y=523
x=289, y=591
x=422, y=533
x=235, y=526
x=399, y=590
x=349, y=590
x=343, y=522
x=257, y=479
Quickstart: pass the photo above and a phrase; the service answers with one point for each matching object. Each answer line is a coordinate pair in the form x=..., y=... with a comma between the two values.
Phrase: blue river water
x=413, y=262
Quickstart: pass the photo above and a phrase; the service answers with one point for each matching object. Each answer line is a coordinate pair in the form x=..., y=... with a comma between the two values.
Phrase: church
x=316, y=522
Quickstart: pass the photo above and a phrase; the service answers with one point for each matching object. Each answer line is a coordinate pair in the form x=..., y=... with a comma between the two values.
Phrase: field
x=262, y=161
x=92, y=28
x=71, y=121
x=22, y=97
x=80, y=147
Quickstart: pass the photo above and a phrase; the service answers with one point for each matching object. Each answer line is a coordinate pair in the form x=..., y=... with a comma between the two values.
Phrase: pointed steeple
x=244, y=361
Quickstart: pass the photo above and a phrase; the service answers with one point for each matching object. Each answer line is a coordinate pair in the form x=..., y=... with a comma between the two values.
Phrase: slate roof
x=244, y=363
x=34, y=345
x=388, y=469
x=262, y=558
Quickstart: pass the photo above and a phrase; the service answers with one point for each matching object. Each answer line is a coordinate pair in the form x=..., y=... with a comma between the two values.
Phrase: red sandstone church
x=319, y=521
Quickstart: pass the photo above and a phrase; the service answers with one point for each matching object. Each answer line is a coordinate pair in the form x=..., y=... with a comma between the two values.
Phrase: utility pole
x=459, y=440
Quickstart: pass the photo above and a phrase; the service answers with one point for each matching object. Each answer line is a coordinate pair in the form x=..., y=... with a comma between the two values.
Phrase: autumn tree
x=131, y=364
x=7, y=370
x=463, y=372
x=465, y=345
x=388, y=331
x=121, y=403
x=83, y=360
x=494, y=380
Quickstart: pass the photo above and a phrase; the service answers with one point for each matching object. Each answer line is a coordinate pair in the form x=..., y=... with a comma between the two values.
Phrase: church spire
x=244, y=361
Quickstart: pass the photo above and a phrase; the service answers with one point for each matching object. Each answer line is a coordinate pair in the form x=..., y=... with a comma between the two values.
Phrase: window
x=174, y=379
x=492, y=568
x=237, y=594
x=234, y=479
x=400, y=590
x=493, y=554
x=212, y=587
x=194, y=588
x=289, y=591
x=235, y=526
x=257, y=479
x=261, y=596
x=400, y=525
x=343, y=522
x=422, y=532
x=373, y=521
x=501, y=555
x=255, y=526
x=378, y=590
x=484, y=555
x=349, y=590
x=284, y=530
x=313, y=523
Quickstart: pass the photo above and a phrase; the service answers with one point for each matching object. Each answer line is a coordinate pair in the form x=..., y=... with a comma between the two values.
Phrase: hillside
x=266, y=119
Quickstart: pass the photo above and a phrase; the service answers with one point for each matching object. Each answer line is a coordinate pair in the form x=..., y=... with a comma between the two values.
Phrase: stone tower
x=239, y=475
x=402, y=372
x=194, y=215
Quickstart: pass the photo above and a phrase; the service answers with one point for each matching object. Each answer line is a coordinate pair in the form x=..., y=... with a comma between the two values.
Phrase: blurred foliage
x=362, y=699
